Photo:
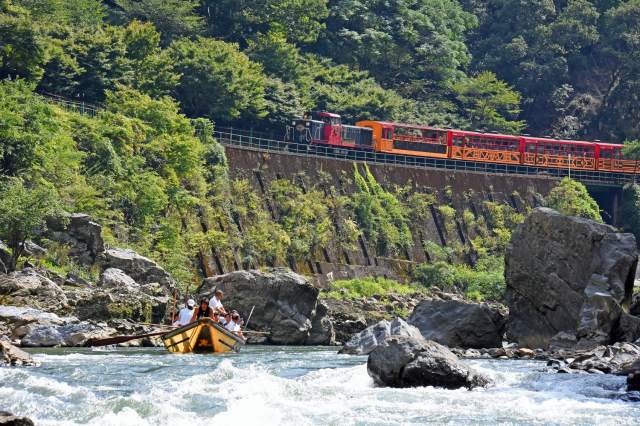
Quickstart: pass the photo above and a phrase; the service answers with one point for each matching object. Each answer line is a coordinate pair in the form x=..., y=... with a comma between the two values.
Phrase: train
x=326, y=128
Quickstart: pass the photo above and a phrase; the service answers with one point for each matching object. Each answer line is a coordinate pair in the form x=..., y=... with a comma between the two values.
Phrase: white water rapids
x=292, y=386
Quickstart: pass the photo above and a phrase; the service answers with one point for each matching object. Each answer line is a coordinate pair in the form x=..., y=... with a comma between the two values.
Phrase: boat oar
x=121, y=339
x=249, y=319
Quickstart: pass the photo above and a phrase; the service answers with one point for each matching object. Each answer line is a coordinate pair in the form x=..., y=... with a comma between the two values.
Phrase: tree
x=75, y=13
x=630, y=210
x=240, y=20
x=217, y=80
x=23, y=212
x=23, y=48
x=489, y=104
x=416, y=46
x=571, y=198
x=173, y=18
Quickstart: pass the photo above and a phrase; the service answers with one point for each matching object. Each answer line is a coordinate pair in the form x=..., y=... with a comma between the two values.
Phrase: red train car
x=325, y=128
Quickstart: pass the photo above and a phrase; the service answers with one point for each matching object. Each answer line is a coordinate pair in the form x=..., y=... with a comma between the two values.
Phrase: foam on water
x=292, y=386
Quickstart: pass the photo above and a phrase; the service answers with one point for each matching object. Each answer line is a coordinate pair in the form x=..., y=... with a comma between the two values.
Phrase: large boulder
x=567, y=274
x=370, y=338
x=459, y=324
x=80, y=234
x=118, y=295
x=286, y=304
x=72, y=334
x=30, y=287
x=10, y=355
x=404, y=361
x=142, y=269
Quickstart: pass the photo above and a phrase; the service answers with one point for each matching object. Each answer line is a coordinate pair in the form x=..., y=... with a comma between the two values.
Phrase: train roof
x=413, y=126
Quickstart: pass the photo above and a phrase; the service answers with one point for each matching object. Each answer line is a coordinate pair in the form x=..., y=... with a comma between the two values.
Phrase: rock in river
x=8, y=419
x=567, y=274
x=286, y=304
x=10, y=355
x=459, y=324
x=409, y=362
x=370, y=338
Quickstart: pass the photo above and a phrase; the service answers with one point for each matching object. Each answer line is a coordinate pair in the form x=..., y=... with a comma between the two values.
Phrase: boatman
x=186, y=313
x=216, y=302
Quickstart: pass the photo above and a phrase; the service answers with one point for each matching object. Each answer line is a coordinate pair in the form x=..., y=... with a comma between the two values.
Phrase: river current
x=291, y=386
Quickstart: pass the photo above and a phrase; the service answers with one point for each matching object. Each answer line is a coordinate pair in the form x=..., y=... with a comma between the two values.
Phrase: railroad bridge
x=269, y=157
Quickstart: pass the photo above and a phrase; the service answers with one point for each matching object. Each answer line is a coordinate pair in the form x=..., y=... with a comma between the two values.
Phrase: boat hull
x=202, y=336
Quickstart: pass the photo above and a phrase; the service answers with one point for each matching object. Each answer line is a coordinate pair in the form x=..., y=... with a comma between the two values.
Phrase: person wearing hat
x=185, y=314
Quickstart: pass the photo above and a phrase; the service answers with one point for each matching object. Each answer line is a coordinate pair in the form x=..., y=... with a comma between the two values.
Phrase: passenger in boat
x=225, y=319
x=236, y=327
x=185, y=314
x=202, y=311
x=216, y=301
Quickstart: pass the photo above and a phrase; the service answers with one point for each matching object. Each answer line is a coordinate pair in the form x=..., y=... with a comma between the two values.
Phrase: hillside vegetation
x=164, y=72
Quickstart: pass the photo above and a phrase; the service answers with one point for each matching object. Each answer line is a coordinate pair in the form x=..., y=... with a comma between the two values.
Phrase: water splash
x=291, y=386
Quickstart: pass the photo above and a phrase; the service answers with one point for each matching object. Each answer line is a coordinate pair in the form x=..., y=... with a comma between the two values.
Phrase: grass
x=368, y=287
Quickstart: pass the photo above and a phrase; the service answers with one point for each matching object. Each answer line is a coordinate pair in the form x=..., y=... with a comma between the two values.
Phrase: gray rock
x=10, y=355
x=142, y=269
x=633, y=381
x=370, y=338
x=65, y=335
x=409, y=362
x=563, y=341
x=322, y=332
x=620, y=358
x=116, y=278
x=286, y=304
x=8, y=419
x=567, y=274
x=458, y=323
x=628, y=328
x=80, y=233
x=30, y=288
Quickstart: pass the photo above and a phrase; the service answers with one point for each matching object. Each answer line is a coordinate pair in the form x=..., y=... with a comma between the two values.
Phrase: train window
x=387, y=133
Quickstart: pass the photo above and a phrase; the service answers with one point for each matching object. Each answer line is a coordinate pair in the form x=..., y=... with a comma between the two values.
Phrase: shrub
x=368, y=287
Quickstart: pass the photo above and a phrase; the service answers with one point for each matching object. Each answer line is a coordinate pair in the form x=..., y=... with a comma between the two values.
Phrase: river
x=291, y=386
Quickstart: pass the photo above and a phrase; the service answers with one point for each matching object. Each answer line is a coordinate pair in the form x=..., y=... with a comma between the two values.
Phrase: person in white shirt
x=184, y=317
x=216, y=302
x=234, y=324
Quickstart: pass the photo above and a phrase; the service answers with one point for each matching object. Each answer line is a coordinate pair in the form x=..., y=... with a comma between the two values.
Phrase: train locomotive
x=326, y=129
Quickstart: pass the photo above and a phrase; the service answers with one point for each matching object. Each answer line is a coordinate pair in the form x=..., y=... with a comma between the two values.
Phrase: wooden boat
x=202, y=336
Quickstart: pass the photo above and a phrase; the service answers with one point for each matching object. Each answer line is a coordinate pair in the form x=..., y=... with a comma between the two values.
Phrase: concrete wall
x=461, y=190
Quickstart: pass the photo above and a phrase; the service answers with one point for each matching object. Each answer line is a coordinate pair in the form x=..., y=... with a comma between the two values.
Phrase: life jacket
x=202, y=314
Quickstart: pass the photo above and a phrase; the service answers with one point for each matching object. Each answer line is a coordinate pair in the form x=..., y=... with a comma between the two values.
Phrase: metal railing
x=71, y=105
x=254, y=141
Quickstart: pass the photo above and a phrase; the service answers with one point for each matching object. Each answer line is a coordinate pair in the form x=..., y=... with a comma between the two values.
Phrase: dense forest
x=562, y=68
x=164, y=72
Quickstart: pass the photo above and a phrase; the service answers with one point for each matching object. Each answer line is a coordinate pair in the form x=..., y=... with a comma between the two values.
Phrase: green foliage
x=218, y=81
x=303, y=216
x=489, y=104
x=380, y=215
x=415, y=45
x=23, y=212
x=630, y=209
x=300, y=21
x=483, y=282
x=368, y=287
x=76, y=13
x=571, y=198
x=23, y=49
x=172, y=18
